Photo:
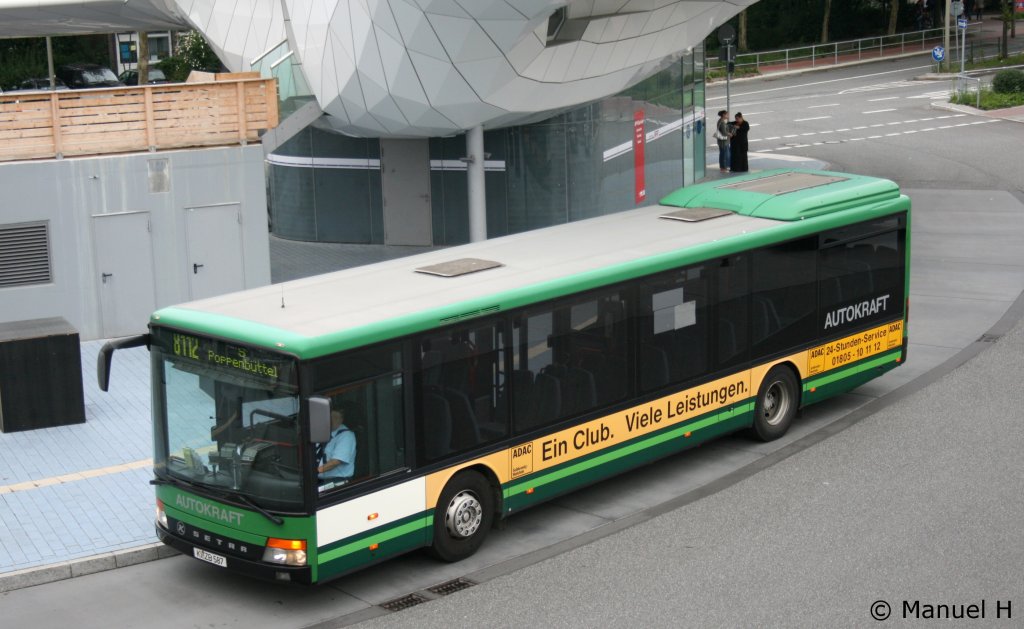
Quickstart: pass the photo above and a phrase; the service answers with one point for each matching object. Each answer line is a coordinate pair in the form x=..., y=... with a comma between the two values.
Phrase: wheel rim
x=464, y=515
x=776, y=403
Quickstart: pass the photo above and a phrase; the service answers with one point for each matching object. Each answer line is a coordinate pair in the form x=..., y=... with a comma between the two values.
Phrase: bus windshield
x=227, y=420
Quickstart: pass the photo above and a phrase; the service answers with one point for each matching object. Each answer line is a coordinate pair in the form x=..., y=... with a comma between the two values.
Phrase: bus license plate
x=209, y=557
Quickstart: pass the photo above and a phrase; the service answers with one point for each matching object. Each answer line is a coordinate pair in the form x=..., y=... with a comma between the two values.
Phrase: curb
x=41, y=575
x=972, y=111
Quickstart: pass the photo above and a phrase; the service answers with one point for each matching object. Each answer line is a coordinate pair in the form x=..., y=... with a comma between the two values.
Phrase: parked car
x=131, y=77
x=83, y=75
x=41, y=83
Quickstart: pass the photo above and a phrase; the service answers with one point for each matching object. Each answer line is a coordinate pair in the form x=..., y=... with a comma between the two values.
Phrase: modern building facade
x=329, y=187
x=429, y=122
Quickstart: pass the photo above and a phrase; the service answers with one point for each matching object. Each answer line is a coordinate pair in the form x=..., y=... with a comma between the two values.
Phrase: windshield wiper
x=229, y=494
x=248, y=501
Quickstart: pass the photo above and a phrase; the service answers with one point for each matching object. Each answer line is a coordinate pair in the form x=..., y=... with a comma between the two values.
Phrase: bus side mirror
x=319, y=420
x=107, y=354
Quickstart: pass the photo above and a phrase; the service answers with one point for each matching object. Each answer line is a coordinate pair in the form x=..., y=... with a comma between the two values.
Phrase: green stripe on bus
x=379, y=536
x=258, y=528
x=627, y=449
x=845, y=372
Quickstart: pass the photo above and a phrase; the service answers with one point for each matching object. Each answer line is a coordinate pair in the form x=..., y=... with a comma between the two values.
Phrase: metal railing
x=964, y=85
x=833, y=53
x=280, y=63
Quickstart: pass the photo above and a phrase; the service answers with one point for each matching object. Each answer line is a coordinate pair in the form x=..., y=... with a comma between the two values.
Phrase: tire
x=463, y=516
x=776, y=405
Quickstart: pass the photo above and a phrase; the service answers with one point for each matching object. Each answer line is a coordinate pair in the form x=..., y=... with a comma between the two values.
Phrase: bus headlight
x=289, y=552
x=161, y=515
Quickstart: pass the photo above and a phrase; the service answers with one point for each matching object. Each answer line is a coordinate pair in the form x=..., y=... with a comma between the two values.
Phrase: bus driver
x=337, y=459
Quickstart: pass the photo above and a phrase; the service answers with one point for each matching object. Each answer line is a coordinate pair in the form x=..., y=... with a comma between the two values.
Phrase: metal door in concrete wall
x=124, y=261
x=405, y=183
x=214, y=246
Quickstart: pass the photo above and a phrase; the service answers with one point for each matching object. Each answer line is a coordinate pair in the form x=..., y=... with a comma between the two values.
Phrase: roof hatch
x=695, y=214
x=462, y=266
x=783, y=183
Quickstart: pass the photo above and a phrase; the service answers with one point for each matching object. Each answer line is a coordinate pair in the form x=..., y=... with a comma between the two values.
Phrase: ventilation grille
x=471, y=314
x=462, y=266
x=695, y=214
x=405, y=602
x=24, y=254
x=450, y=587
x=782, y=183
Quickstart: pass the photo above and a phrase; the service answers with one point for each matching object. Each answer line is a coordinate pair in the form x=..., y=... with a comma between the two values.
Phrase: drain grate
x=450, y=587
x=405, y=602
x=989, y=338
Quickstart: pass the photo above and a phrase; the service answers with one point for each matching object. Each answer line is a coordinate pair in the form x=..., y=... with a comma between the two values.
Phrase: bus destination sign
x=225, y=356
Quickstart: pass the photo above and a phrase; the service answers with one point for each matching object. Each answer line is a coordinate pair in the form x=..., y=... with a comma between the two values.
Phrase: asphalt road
x=877, y=120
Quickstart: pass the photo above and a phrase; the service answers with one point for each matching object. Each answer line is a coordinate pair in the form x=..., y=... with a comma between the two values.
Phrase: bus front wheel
x=776, y=405
x=462, y=517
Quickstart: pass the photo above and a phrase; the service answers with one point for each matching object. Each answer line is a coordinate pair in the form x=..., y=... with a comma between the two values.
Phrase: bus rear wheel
x=462, y=517
x=776, y=404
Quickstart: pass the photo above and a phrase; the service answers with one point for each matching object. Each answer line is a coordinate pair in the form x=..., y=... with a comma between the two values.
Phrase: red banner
x=639, y=139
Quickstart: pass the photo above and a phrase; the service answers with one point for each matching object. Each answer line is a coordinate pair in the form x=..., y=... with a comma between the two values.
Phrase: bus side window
x=367, y=386
x=461, y=388
x=732, y=280
x=569, y=359
x=674, y=331
x=784, y=300
x=852, y=272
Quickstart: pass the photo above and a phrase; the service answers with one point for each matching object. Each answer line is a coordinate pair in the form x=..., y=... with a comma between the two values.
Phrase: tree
x=824, y=21
x=193, y=53
x=742, y=43
x=894, y=14
x=1007, y=16
x=143, y=58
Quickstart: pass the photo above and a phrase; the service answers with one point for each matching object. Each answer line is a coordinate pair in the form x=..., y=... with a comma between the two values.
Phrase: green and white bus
x=482, y=379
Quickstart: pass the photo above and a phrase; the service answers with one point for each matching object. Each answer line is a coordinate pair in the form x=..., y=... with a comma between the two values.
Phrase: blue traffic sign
x=938, y=53
x=961, y=23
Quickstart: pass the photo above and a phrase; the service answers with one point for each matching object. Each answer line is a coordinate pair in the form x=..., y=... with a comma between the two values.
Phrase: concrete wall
x=69, y=193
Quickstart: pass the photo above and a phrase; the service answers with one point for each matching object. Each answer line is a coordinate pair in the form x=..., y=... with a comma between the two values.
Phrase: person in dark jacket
x=738, y=145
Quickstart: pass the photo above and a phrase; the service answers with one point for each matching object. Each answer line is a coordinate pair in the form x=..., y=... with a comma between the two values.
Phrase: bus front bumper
x=257, y=569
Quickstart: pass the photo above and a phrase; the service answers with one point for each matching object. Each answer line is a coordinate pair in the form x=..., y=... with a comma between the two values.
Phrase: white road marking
x=815, y=118
x=876, y=137
x=848, y=78
x=820, y=106
x=875, y=100
x=878, y=111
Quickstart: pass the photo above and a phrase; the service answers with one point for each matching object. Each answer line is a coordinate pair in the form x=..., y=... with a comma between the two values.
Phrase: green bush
x=1008, y=82
x=193, y=54
x=989, y=100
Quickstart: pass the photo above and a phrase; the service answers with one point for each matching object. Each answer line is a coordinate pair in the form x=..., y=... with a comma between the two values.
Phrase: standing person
x=738, y=147
x=722, y=135
x=979, y=6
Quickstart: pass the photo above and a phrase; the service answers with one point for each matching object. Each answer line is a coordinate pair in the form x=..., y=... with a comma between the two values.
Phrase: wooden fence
x=218, y=112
